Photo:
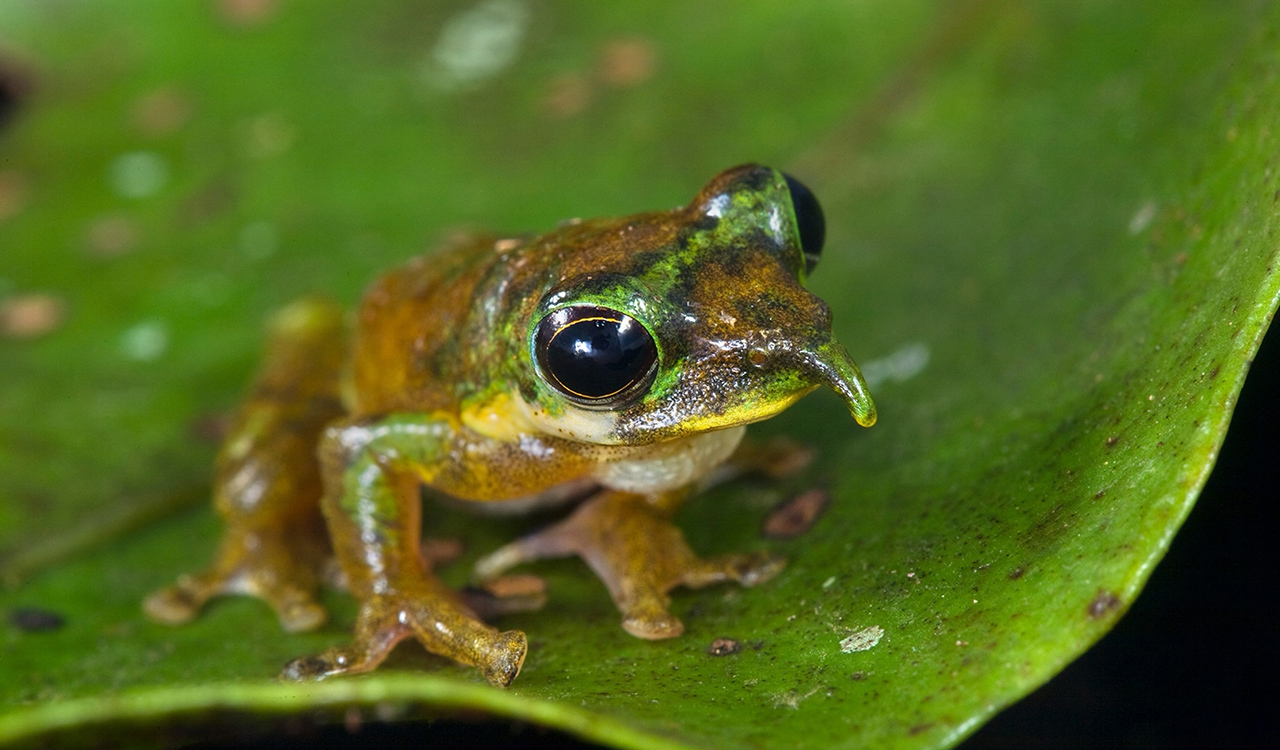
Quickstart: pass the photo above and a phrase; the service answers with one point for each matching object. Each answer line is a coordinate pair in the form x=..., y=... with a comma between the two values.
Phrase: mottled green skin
x=444, y=389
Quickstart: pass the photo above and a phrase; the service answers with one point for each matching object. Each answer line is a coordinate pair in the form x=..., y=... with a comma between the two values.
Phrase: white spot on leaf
x=862, y=640
x=901, y=365
x=1142, y=217
x=146, y=341
x=138, y=174
x=478, y=44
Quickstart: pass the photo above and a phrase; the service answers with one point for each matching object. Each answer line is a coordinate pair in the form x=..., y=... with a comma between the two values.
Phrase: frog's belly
x=664, y=467
x=561, y=494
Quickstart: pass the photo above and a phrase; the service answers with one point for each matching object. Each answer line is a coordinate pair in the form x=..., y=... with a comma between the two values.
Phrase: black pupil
x=594, y=353
x=812, y=224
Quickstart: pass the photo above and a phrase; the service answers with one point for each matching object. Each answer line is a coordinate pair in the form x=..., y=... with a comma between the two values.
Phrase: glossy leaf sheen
x=1050, y=244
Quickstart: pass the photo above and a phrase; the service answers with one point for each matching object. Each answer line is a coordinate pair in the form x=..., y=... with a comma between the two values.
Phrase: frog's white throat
x=579, y=425
x=646, y=469
x=670, y=464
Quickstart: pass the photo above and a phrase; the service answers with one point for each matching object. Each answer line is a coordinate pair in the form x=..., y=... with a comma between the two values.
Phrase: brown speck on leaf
x=724, y=647
x=208, y=202
x=28, y=316
x=13, y=194
x=162, y=112
x=628, y=62
x=111, y=236
x=1180, y=258
x=918, y=728
x=1104, y=603
x=36, y=620
x=247, y=13
x=1098, y=495
x=858, y=676
x=796, y=516
x=1112, y=440
x=1017, y=573
x=568, y=94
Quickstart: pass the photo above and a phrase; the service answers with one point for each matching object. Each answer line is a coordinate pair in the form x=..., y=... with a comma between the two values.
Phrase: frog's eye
x=595, y=355
x=810, y=221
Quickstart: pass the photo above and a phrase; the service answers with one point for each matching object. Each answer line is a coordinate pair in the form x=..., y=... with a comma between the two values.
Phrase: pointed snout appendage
x=831, y=364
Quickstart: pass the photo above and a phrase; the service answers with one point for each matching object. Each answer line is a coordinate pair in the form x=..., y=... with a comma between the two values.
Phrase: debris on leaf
x=862, y=640
x=796, y=516
x=724, y=647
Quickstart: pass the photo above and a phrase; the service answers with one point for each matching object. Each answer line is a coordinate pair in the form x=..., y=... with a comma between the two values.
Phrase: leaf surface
x=1051, y=245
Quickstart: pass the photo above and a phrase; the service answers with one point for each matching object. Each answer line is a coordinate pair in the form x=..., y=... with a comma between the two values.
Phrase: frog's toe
x=506, y=655
x=298, y=614
x=749, y=569
x=177, y=604
x=558, y=540
x=309, y=669
x=333, y=662
x=652, y=623
x=368, y=651
x=505, y=595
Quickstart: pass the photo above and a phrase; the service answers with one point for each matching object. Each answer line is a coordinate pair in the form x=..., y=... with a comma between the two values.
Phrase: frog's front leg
x=372, y=471
x=639, y=554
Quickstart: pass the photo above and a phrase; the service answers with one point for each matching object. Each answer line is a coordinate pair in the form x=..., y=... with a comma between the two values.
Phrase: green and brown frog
x=613, y=359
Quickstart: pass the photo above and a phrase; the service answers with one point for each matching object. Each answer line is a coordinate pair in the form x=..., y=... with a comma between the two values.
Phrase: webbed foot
x=429, y=613
x=638, y=554
x=263, y=566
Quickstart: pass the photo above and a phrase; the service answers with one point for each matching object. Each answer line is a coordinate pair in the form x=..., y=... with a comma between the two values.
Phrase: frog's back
x=407, y=349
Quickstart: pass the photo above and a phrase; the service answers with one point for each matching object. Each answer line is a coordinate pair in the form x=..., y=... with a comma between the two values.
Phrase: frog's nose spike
x=831, y=364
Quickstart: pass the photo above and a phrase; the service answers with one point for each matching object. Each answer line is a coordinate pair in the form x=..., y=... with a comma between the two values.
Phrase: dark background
x=1194, y=663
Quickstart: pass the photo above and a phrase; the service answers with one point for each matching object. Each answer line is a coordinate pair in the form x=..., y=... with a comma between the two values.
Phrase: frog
x=609, y=364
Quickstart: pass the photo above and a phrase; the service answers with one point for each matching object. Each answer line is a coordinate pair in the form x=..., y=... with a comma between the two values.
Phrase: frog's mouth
x=784, y=375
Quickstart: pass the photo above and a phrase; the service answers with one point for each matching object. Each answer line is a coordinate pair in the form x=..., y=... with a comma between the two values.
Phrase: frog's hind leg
x=267, y=486
x=639, y=554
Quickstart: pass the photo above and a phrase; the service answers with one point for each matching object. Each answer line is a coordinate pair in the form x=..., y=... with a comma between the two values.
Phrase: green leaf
x=1051, y=245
